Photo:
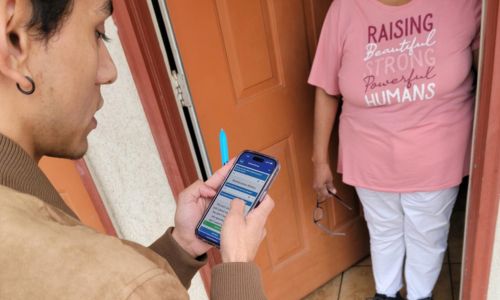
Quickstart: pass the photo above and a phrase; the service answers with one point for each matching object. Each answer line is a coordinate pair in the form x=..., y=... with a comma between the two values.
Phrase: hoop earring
x=30, y=91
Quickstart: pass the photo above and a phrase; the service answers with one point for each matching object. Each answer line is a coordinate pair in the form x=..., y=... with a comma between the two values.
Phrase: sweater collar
x=20, y=172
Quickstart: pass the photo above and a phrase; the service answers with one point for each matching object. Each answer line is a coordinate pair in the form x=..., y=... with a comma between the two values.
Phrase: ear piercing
x=31, y=90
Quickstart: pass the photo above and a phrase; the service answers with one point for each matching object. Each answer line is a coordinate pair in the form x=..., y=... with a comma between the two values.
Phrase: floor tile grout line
x=451, y=276
x=453, y=296
x=340, y=286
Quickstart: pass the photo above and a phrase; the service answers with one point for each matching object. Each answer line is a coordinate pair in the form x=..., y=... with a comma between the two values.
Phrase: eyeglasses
x=319, y=212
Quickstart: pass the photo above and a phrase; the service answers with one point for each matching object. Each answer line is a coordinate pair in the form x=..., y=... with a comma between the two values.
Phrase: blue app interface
x=245, y=182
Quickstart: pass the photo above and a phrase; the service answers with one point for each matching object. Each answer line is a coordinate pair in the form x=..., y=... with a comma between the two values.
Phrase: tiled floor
x=357, y=282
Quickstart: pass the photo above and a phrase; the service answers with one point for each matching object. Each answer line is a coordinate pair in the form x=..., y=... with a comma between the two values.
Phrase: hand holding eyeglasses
x=323, y=185
x=323, y=180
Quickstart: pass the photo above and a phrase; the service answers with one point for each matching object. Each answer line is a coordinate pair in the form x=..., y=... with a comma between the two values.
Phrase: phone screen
x=246, y=181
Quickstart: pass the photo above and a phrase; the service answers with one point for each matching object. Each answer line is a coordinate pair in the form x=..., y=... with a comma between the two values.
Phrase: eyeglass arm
x=341, y=201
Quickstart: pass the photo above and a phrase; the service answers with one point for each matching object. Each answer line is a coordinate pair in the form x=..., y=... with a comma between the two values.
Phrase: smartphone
x=248, y=180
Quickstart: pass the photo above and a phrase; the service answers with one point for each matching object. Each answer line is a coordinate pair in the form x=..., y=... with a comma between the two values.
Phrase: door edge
x=483, y=203
x=140, y=43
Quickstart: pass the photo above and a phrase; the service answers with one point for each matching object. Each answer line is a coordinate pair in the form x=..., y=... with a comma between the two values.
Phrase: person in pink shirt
x=403, y=71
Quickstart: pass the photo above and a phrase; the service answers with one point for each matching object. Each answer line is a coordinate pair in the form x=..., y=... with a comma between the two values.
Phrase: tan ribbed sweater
x=46, y=253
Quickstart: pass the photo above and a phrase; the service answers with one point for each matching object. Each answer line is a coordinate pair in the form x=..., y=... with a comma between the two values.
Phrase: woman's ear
x=14, y=40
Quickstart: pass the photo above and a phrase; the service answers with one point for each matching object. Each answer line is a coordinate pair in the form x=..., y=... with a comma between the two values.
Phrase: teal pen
x=224, y=150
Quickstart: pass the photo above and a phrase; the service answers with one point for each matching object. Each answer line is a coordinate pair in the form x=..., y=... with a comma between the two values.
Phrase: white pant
x=416, y=222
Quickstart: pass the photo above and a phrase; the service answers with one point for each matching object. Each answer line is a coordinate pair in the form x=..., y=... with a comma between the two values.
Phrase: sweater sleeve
x=183, y=264
x=240, y=281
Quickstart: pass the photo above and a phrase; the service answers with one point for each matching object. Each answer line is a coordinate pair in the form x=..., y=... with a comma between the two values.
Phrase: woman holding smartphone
x=403, y=70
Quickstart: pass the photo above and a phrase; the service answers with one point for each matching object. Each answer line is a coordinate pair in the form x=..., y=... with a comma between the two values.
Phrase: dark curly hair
x=48, y=16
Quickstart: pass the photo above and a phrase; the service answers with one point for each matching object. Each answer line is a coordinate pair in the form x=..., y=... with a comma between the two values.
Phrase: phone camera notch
x=258, y=159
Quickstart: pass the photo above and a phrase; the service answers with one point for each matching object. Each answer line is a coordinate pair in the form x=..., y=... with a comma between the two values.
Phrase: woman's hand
x=325, y=112
x=191, y=205
x=323, y=180
x=241, y=236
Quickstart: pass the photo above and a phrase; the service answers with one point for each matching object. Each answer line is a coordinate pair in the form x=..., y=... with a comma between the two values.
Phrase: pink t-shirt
x=405, y=76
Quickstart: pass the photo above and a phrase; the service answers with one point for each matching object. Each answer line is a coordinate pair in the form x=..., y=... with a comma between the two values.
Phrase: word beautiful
x=403, y=73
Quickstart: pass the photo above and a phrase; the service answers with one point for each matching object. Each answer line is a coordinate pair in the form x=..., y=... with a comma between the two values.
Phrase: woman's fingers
x=331, y=188
x=322, y=191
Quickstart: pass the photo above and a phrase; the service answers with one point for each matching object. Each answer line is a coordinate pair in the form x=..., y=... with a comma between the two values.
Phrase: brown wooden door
x=484, y=186
x=64, y=175
x=247, y=64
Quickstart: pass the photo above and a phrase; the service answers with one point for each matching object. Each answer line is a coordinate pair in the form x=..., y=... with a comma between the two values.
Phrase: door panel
x=63, y=174
x=287, y=217
x=247, y=64
x=251, y=44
